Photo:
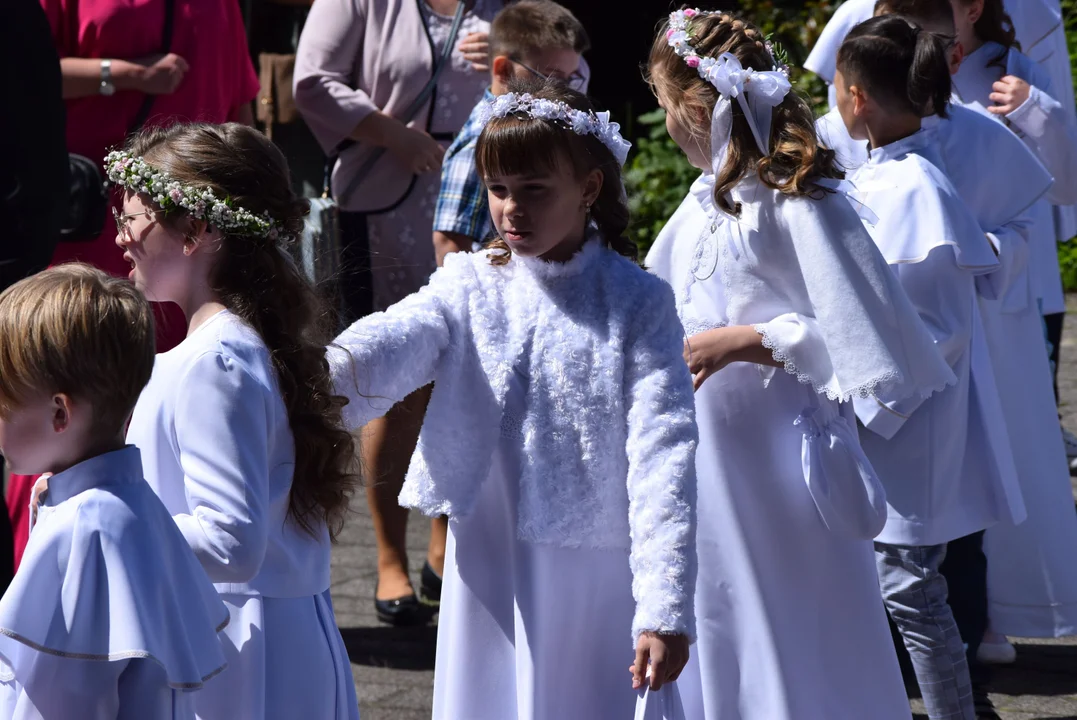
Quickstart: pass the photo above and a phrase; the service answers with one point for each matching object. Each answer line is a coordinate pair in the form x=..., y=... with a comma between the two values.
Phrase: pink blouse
x=208, y=34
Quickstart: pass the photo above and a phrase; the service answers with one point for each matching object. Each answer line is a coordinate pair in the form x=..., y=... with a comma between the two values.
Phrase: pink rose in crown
x=692, y=61
x=669, y=33
x=689, y=13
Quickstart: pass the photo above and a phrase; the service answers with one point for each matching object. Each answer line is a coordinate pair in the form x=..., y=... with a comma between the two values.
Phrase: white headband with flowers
x=757, y=91
x=580, y=122
x=135, y=174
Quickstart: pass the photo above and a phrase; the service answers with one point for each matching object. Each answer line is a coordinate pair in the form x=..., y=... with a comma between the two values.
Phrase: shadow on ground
x=399, y=648
x=1046, y=670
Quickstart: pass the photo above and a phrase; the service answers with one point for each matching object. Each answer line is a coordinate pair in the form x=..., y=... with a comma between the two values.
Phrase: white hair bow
x=758, y=93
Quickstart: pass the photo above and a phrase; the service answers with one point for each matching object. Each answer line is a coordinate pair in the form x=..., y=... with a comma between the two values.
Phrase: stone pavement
x=393, y=668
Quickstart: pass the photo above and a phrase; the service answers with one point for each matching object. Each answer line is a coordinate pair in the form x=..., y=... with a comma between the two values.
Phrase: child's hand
x=667, y=654
x=711, y=350
x=476, y=50
x=1008, y=94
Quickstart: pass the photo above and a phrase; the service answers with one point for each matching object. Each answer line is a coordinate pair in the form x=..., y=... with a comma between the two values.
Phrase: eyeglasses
x=575, y=81
x=121, y=220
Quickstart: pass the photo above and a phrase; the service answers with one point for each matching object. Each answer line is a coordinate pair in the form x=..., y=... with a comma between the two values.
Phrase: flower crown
x=135, y=174
x=580, y=122
x=680, y=40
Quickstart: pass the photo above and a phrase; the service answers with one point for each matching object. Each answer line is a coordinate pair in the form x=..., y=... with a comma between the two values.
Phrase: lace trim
x=864, y=390
x=694, y=326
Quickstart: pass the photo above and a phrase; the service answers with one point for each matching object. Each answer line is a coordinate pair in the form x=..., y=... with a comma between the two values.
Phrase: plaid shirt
x=462, y=206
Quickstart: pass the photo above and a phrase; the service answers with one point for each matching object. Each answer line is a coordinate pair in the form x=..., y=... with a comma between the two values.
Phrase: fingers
x=480, y=66
x=659, y=666
x=698, y=378
x=181, y=64
x=639, y=668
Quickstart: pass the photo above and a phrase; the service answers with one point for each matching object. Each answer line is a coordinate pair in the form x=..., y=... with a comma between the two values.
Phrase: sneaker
x=996, y=653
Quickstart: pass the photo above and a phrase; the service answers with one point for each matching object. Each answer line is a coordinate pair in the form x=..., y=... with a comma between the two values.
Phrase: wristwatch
x=107, y=88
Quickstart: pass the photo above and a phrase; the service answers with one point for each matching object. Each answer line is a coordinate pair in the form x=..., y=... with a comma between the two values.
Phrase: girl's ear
x=592, y=186
x=974, y=11
x=61, y=412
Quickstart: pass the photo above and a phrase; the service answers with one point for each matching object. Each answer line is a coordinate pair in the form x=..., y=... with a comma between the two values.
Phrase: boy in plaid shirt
x=528, y=39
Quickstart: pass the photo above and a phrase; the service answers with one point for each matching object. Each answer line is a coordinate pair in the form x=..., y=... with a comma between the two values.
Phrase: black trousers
x=1054, y=323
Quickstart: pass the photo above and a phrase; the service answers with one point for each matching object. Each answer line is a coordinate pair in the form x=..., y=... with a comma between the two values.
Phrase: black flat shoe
x=430, y=586
x=400, y=612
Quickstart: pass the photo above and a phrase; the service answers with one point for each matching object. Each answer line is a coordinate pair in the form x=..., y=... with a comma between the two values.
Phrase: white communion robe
x=940, y=486
x=1047, y=130
x=218, y=450
x=564, y=385
x=790, y=619
x=1032, y=580
x=110, y=615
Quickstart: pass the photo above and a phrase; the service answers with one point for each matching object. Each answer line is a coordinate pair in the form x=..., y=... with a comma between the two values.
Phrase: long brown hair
x=256, y=279
x=796, y=159
x=995, y=25
x=520, y=144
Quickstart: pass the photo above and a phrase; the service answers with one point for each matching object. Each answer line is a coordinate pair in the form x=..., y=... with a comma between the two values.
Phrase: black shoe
x=400, y=612
x=430, y=586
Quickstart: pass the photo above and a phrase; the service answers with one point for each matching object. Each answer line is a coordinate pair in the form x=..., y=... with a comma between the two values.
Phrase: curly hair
x=256, y=279
x=519, y=144
x=796, y=159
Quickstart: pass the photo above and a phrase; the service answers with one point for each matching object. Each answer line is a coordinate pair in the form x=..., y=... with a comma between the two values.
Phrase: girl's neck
x=892, y=128
x=567, y=248
x=199, y=306
x=971, y=44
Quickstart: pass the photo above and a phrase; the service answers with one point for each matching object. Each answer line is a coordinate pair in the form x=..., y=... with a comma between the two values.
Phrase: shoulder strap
x=166, y=44
x=418, y=102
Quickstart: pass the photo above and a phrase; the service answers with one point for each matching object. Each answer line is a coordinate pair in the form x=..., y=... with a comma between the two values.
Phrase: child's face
x=28, y=436
x=558, y=63
x=154, y=249
x=966, y=13
x=851, y=103
x=691, y=146
x=542, y=215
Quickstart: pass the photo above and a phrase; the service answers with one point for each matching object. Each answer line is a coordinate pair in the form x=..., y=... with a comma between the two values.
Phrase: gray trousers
x=915, y=596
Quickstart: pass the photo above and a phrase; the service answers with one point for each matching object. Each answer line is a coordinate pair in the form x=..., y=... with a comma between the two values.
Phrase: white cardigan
x=609, y=434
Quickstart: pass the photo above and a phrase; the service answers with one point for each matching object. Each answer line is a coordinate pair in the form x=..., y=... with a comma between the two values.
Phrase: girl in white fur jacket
x=560, y=435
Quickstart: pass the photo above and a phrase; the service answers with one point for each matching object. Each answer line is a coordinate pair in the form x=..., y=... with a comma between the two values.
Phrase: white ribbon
x=757, y=91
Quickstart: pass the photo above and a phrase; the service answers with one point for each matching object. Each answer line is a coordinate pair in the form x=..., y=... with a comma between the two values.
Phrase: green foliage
x=657, y=179
x=658, y=175
x=1067, y=262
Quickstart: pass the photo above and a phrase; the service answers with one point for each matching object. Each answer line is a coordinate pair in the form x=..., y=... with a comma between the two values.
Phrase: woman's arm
x=157, y=75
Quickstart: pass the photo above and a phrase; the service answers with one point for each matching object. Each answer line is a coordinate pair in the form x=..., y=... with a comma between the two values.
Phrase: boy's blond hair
x=529, y=26
x=77, y=331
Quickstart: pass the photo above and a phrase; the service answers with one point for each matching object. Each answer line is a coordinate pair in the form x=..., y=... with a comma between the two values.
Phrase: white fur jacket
x=609, y=433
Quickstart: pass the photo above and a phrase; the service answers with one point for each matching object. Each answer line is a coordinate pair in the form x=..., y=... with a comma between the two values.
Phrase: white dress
x=1032, y=579
x=790, y=620
x=218, y=450
x=110, y=615
x=508, y=608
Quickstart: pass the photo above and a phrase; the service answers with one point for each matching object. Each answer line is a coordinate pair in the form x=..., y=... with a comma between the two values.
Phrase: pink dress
x=209, y=35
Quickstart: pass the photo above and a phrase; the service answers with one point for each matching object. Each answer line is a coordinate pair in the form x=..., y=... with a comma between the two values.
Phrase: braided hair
x=795, y=159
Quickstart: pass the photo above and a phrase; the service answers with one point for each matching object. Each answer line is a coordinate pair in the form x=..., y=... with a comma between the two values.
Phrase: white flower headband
x=580, y=122
x=757, y=91
x=137, y=175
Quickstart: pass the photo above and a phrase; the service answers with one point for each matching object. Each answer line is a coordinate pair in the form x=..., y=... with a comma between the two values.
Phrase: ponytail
x=929, y=81
x=900, y=65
